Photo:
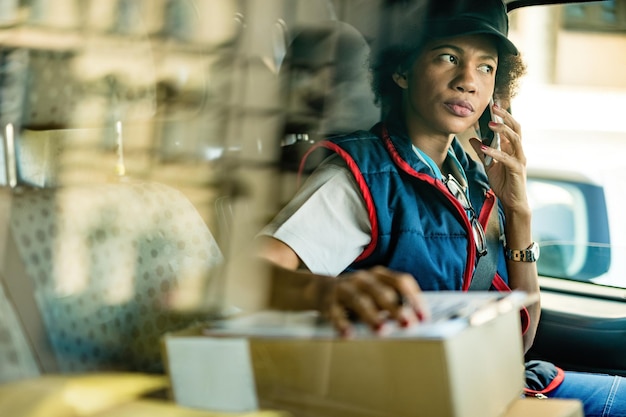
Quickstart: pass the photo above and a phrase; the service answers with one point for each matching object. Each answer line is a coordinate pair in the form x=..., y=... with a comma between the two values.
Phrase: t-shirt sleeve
x=326, y=223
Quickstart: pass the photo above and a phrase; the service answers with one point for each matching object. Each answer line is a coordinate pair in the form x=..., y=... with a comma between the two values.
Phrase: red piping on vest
x=365, y=191
x=556, y=381
x=439, y=185
x=500, y=285
x=489, y=205
x=483, y=217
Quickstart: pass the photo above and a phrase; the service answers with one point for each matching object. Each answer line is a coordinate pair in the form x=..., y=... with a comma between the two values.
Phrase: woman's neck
x=433, y=144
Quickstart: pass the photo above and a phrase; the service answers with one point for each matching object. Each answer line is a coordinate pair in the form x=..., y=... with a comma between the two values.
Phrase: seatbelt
x=488, y=263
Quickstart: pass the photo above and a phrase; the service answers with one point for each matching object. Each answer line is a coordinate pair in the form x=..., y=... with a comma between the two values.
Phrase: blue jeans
x=602, y=395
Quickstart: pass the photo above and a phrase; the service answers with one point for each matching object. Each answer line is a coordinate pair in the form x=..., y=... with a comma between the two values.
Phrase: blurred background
x=145, y=142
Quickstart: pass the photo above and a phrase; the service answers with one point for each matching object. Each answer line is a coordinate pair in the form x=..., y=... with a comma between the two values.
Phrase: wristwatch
x=530, y=254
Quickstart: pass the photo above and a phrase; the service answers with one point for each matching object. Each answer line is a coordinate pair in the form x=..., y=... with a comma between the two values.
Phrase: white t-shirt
x=326, y=223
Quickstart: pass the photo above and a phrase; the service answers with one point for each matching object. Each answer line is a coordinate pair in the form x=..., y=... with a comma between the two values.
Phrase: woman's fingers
x=357, y=293
x=407, y=291
x=507, y=177
x=511, y=153
x=377, y=295
x=511, y=131
x=338, y=317
x=508, y=119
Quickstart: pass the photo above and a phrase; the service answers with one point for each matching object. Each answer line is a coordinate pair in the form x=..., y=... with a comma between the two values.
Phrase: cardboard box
x=453, y=369
x=532, y=407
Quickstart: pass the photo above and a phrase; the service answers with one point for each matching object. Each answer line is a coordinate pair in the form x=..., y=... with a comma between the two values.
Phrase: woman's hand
x=507, y=173
x=374, y=296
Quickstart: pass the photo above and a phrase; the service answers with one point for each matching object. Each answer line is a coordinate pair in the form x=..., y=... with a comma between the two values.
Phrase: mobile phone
x=488, y=136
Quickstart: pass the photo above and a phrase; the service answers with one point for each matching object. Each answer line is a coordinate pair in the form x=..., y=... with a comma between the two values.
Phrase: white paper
x=451, y=313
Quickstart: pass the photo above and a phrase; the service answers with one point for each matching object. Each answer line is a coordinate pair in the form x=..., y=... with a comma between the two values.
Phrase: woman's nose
x=465, y=79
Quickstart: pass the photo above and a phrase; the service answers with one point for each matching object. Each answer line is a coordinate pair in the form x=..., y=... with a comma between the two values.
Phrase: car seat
x=109, y=267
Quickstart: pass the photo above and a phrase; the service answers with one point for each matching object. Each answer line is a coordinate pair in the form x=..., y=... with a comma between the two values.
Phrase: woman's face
x=449, y=85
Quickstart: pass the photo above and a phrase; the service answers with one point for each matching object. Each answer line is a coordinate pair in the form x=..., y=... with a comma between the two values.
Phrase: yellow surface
x=76, y=395
x=119, y=395
x=155, y=408
x=98, y=394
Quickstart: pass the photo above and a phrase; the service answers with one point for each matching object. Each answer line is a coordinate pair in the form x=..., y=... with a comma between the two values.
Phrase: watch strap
x=524, y=255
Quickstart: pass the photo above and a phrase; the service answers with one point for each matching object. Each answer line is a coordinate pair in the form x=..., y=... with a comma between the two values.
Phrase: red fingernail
x=420, y=315
x=404, y=322
x=493, y=124
x=378, y=326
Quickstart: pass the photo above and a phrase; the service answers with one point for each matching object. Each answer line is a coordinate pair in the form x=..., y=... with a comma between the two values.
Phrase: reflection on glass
x=568, y=230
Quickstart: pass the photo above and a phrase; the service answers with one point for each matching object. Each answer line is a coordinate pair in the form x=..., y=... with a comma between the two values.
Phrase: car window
x=569, y=108
x=571, y=226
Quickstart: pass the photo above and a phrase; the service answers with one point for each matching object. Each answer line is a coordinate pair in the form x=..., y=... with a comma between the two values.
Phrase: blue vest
x=418, y=226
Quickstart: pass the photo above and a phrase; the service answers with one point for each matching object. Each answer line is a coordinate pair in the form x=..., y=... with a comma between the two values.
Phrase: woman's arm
x=523, y=275
x=278, y=253
x=507, y=178
x=373, y=295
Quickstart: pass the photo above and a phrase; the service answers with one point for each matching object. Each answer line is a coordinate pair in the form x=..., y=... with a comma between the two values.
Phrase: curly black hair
x=394, y=59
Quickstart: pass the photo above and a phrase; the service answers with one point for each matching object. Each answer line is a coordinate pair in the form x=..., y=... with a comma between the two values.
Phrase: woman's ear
x=401, y=80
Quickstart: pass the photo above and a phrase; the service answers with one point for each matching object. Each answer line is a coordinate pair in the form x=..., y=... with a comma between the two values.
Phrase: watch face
x=533, y=251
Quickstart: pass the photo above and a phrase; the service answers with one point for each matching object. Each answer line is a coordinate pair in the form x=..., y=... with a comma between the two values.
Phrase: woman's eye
x=448, y=58
x=487, y=69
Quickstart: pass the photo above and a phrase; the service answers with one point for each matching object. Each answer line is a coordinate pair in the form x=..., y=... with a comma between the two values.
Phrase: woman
x=403, y=208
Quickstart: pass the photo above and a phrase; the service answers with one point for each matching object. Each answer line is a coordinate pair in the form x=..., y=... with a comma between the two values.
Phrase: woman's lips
x=460, y=108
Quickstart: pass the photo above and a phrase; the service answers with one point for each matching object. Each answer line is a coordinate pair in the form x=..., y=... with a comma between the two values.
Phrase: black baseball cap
x=440, y=19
